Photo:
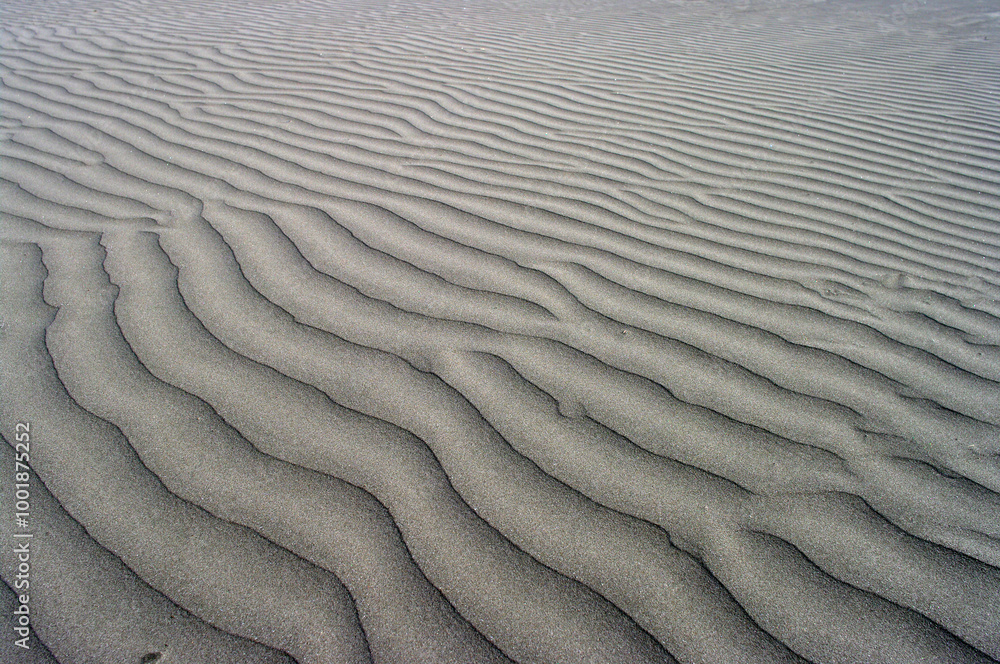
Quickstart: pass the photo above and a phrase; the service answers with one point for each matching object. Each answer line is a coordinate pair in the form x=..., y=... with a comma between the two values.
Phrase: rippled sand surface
x=543, y=332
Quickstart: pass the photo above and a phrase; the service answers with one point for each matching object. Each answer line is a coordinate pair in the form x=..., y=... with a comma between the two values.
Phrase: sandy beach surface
x=556, y=331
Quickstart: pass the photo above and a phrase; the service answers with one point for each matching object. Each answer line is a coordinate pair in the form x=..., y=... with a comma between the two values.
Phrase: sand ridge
x=540, y=332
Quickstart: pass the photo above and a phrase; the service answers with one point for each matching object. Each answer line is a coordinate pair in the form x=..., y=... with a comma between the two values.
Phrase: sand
x=460, y=331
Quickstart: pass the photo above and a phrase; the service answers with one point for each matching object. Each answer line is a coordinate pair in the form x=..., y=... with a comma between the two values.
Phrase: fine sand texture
x=555, y=331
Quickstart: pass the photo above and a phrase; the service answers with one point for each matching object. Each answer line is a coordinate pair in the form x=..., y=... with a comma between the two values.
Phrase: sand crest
x=559, y=332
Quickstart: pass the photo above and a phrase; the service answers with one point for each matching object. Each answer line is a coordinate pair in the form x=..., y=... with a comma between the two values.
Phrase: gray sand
x=558, y=332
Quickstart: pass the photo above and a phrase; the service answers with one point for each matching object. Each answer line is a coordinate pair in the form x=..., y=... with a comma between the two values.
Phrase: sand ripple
x=483, y=332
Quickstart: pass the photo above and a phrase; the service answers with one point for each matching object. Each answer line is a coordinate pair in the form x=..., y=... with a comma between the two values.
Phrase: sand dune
x=564, y=332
